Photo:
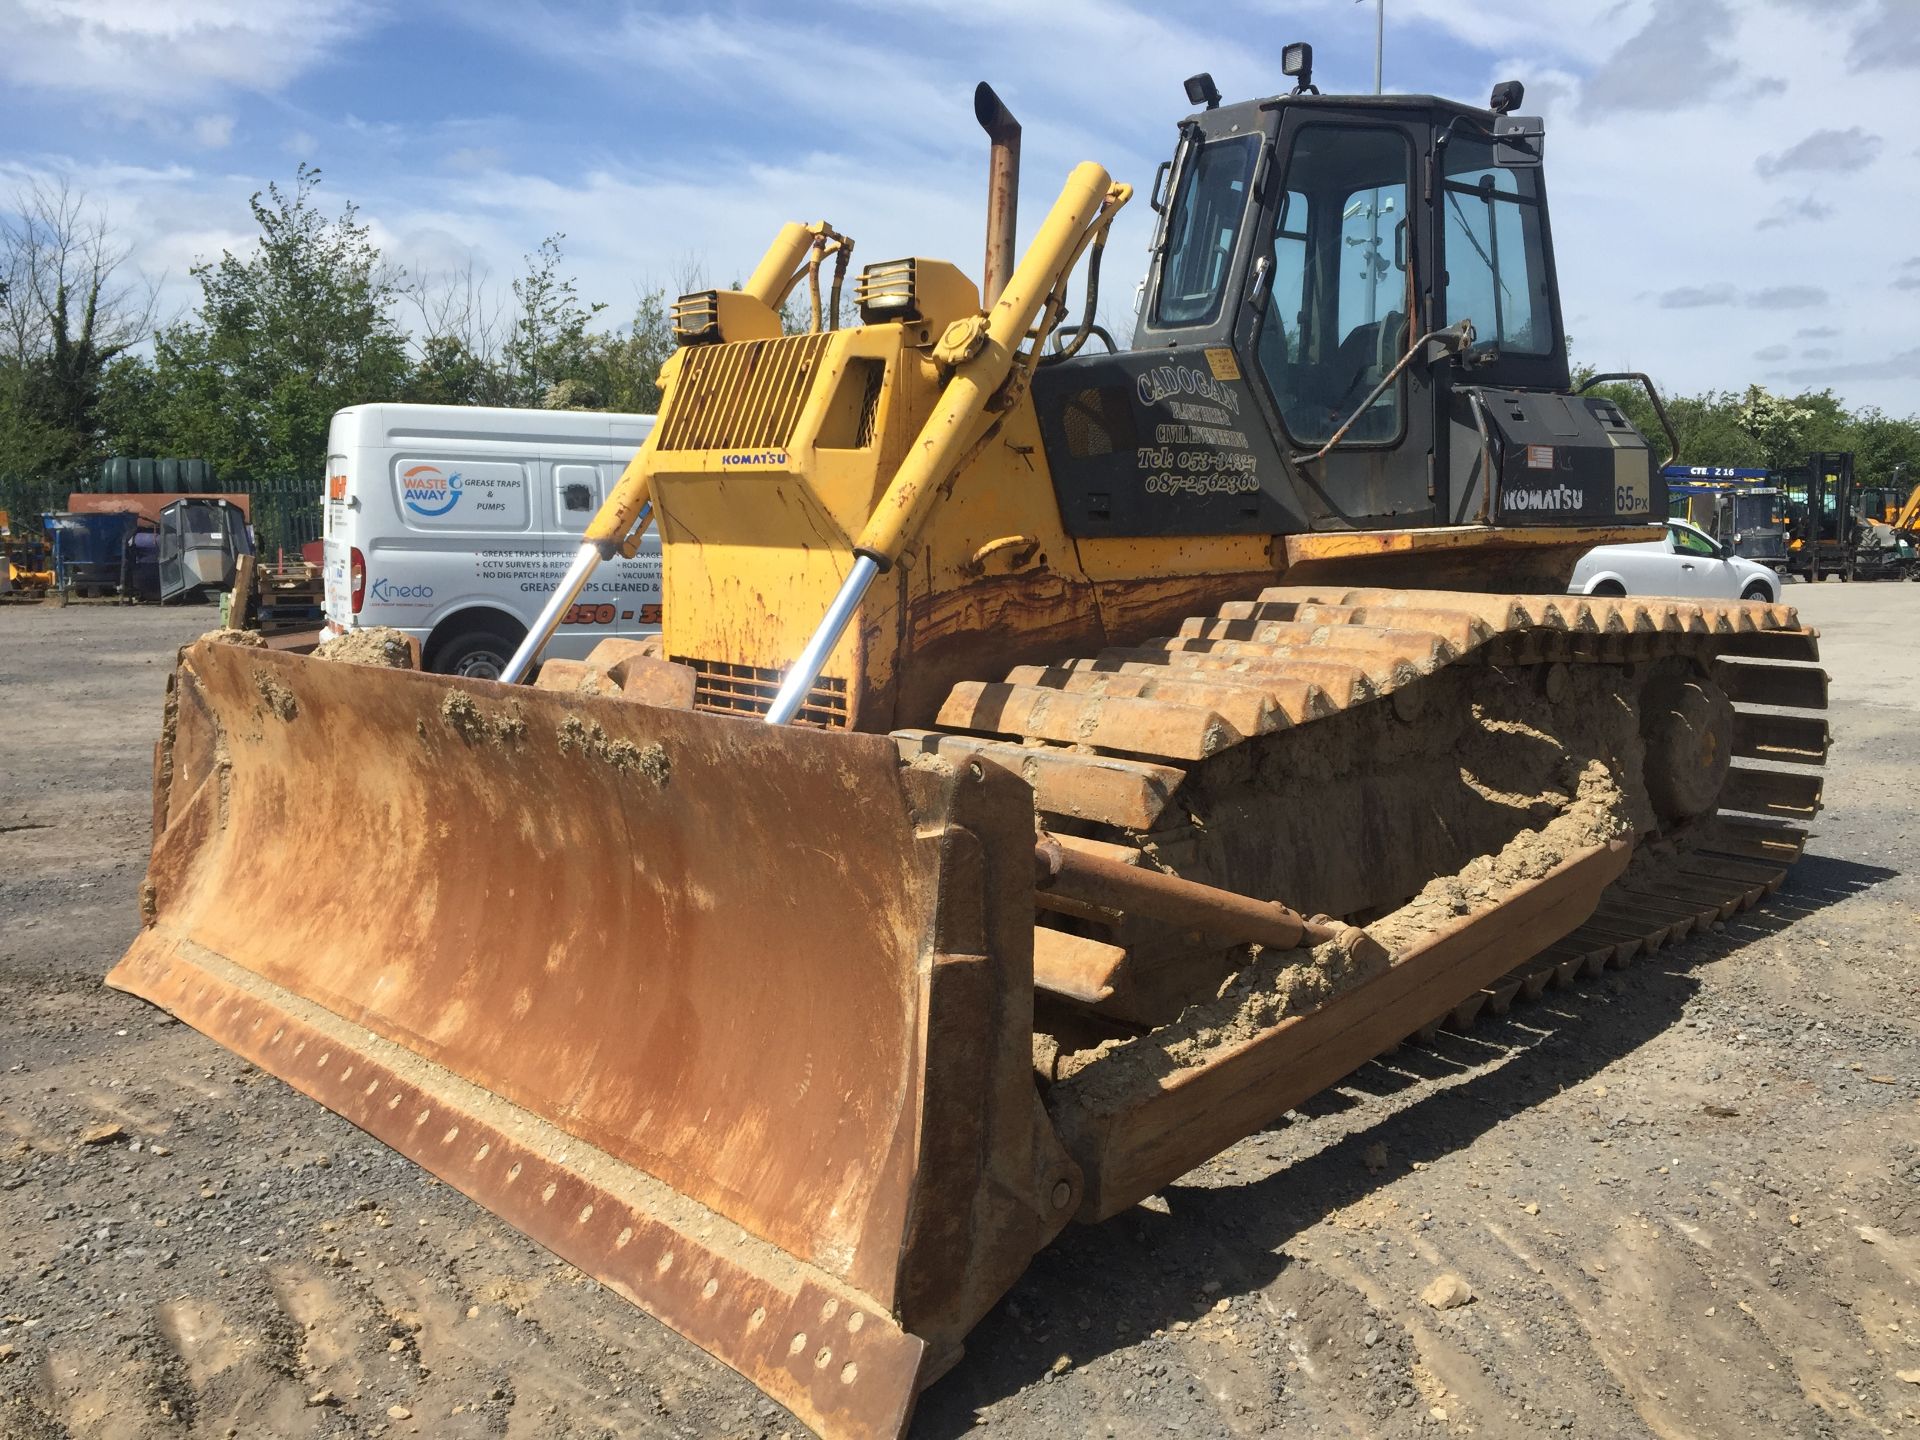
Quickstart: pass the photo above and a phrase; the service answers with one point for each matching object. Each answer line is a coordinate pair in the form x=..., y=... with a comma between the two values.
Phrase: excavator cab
x=1299, y=362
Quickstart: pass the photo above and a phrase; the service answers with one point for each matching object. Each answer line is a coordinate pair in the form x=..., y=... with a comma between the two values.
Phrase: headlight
x=696, y=318
x=887, y=291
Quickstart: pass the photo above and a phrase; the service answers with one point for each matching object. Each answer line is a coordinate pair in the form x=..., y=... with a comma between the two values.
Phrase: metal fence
x=286, y=512
x=286, y=509
x=26, y=498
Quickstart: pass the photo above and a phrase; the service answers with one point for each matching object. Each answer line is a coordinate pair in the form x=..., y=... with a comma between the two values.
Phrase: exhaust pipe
x=1003, y=187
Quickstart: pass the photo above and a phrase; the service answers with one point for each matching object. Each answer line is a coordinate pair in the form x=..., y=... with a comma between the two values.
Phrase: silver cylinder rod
x=548, y=621
x=558, y=603
x=806, y=670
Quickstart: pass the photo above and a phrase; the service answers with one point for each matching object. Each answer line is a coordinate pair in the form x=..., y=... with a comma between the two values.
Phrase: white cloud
x=1890, y=40
x=145, y=51
x=1825, y=152
x=172, y=216
x=1791, y=211
x=213, y=132
x=1670, y=201
x=1680, y=53
x=1788, y=297
x=474, y=159
x=859, y=111
x=1698, y=297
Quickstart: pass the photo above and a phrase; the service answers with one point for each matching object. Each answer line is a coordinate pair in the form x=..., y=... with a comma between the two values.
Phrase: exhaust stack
x=1003, y=188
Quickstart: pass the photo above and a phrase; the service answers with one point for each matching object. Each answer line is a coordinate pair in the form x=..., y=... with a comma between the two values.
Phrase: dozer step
x=1741, y=838
x=1690, y=914
x=1383, y=668
x=1074, y=967
x=1298, y=700
x=1462, y=631
x=1627, y=915
x=1352, y=644
x=1155, y=727
x=1787, y=794
x=1127, y=793
x=1796, y=739
x=1775, y=645
x=1249, y=709
x=1343, y=685
x=1796, y=687
x=1764, y=878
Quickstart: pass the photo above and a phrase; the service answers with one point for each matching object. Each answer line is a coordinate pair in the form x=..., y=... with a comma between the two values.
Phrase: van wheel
x=476, y=654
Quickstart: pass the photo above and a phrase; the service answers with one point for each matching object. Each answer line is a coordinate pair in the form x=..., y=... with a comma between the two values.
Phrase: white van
x=454, y=523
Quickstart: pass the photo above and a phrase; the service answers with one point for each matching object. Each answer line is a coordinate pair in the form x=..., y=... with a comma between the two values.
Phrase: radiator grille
x=744, y=396
x=726, y=689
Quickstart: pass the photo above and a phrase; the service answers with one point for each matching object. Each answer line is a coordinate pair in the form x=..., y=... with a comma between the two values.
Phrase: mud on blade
x=736, y=1019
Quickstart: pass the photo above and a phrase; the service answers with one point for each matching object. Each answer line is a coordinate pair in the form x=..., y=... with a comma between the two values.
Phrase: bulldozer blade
x=736, y=1019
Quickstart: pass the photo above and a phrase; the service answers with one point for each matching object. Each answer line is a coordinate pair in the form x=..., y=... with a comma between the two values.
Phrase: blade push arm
x=1084, y=210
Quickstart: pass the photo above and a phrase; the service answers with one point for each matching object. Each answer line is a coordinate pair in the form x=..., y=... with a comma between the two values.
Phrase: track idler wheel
x=1686, y=722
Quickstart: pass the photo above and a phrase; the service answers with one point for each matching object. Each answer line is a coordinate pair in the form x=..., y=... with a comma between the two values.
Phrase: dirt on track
x=1685, y=1198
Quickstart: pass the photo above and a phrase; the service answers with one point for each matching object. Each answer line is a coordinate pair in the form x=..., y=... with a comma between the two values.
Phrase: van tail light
x=357, y=577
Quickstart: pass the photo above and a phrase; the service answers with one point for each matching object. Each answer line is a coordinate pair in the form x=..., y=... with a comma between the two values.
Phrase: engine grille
x=726, y=689
x=743, y=396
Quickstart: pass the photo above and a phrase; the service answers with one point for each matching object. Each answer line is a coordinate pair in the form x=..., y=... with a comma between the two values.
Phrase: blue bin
x=88, y=550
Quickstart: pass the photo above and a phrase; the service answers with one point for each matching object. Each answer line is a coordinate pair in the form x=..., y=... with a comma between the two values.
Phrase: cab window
x=1203, y=230
x=1495, y=251
x=1691, y=542
x=1336, y=319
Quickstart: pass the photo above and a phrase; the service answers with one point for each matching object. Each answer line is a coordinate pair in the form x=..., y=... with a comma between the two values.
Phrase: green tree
x=1886, y=449
x=622, y=367
x=448, y=373
x=1780, y=427
x=287, y=333
x=130, y=413
x=67, y=313
x=549, y=341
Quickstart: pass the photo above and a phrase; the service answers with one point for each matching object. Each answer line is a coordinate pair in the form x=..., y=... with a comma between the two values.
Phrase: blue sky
x=1734, y=181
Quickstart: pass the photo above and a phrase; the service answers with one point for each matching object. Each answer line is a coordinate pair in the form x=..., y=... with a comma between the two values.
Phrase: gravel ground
x=1685, y=1199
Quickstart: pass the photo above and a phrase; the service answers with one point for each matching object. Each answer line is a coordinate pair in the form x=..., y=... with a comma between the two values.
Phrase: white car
x=1686, y=562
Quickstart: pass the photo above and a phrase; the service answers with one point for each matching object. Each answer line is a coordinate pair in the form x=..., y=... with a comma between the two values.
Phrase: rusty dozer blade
x=736, y=1019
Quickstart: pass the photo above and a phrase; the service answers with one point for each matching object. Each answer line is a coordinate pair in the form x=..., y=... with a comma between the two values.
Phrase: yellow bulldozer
x=1058, y=760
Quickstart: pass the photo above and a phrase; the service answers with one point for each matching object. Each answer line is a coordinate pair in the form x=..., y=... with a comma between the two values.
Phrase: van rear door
x=336, y=546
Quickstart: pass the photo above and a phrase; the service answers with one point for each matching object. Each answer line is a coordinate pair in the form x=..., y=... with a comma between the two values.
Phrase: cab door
x=1335, y=301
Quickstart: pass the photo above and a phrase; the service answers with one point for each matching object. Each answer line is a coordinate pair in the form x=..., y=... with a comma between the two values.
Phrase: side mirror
x=1519, y=141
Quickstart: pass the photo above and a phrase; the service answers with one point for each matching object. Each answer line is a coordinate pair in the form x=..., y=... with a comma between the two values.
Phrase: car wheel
x=1758, y=591
x=1612, y=589
x=476, y=654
